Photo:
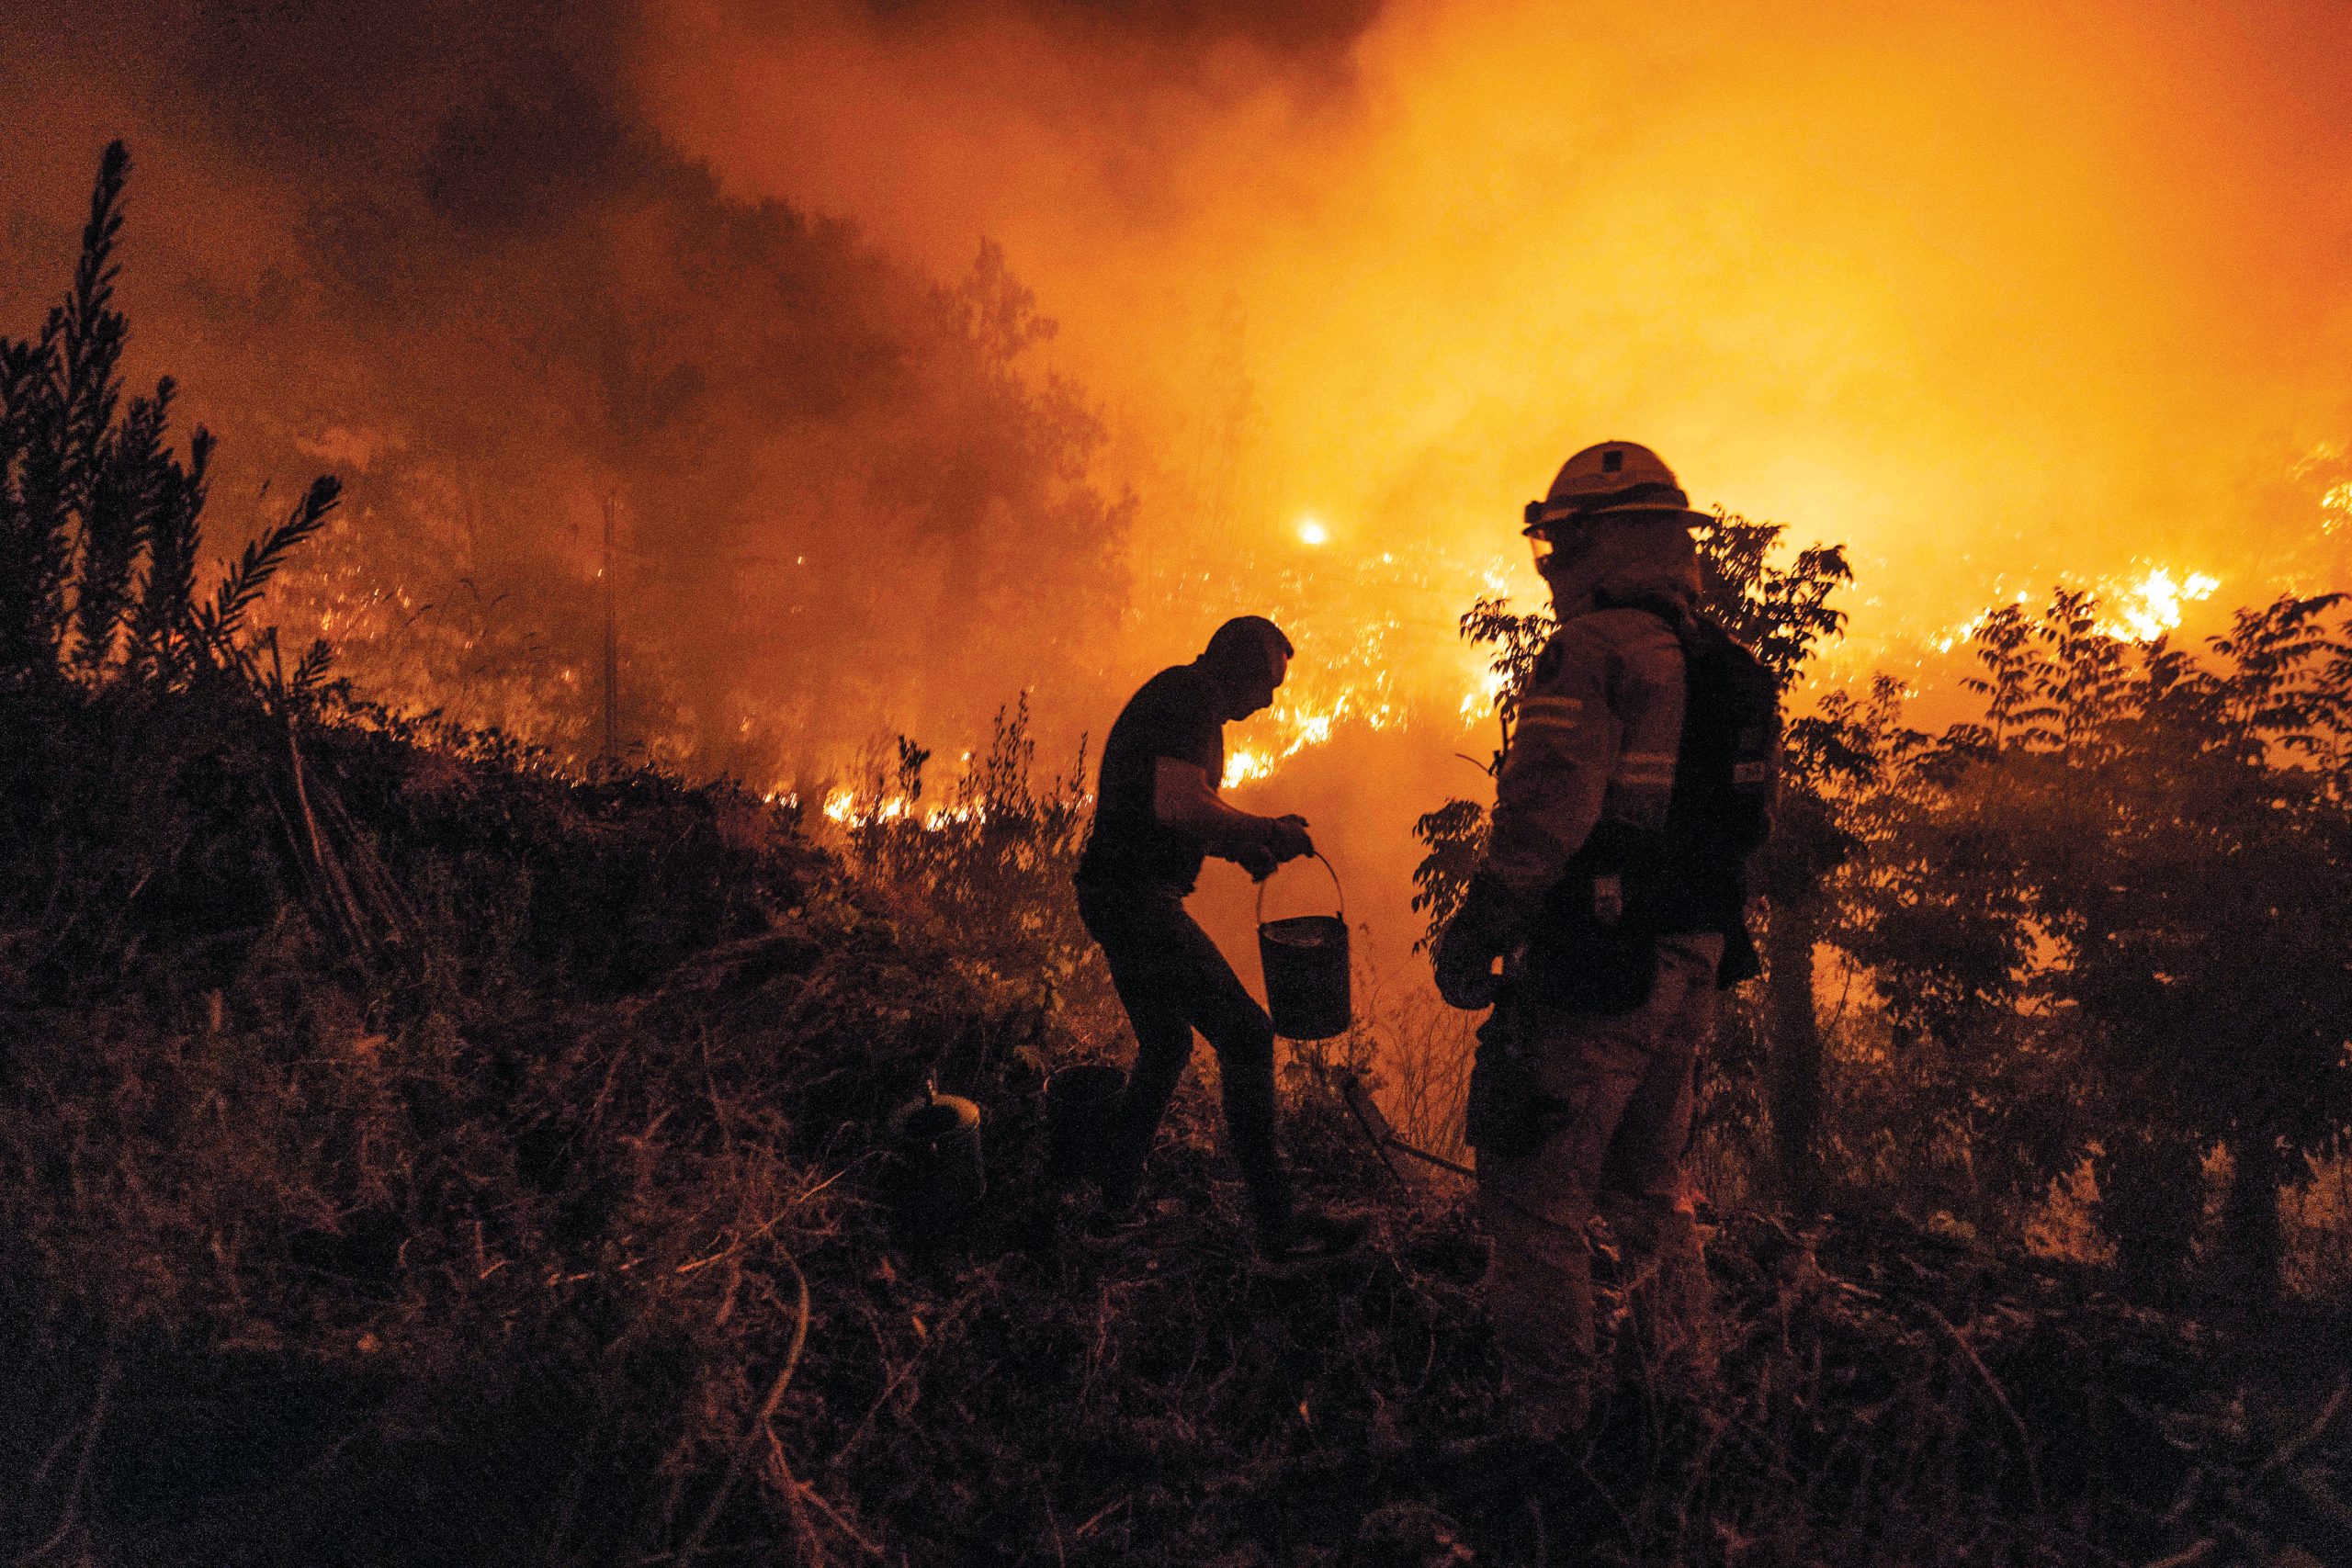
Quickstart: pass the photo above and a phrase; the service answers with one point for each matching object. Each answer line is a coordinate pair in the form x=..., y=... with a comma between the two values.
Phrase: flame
x=2147, y=608
x=2335, y=508
x=2139, y=609
x=844, y=807
x=1479, y=701
x=1298, y=727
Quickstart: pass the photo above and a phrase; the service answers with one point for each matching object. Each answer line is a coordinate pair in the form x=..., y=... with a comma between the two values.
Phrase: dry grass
x=567, y=1245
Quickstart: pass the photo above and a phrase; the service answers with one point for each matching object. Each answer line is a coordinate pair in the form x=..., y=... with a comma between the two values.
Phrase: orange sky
x=1992, y=294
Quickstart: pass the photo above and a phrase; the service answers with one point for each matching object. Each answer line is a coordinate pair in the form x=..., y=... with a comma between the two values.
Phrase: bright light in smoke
x=1480, y=702
x=1959, y=633
x=1313, y=533
x=2146, y=609
x=2141, y=609
x=1241, y=767
x=2335, y=508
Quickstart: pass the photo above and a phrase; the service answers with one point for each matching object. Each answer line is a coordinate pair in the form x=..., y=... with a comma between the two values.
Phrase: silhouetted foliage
x=89, y=494
x=993, y=856
x=2126, y=861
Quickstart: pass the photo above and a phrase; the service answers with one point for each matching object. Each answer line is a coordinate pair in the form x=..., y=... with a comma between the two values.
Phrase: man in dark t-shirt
x=1156, y=817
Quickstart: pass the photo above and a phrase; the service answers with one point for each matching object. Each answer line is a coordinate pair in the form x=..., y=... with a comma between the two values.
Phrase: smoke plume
x=1995, y=297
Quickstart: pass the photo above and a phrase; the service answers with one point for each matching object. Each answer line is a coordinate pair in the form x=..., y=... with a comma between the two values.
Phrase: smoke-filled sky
x=1986, y=291
x=1995, y=294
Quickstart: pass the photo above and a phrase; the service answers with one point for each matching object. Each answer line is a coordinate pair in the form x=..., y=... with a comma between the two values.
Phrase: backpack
x=1725, y=774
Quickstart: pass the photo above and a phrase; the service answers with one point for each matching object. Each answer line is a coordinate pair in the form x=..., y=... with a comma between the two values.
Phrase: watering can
x=938, y=1179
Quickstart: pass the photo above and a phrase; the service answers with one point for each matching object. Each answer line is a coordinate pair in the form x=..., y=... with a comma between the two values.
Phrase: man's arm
x=1180, y=797
x=1555, y=778
x=1548, y=798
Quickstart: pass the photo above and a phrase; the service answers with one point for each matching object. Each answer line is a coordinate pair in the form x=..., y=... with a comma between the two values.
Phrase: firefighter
x=1637, y=783
x=1157, y=815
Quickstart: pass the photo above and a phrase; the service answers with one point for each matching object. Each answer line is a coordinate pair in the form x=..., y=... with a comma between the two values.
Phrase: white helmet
x=1616, y=477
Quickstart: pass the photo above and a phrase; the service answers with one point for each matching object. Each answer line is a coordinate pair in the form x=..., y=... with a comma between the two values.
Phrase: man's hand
x=1465, y=967
x=1279, y=838
x=1286, y=839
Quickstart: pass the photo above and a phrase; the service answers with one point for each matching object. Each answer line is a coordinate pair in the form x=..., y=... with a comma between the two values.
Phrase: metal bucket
x=1080, y=1104
x=1306, y=961
x=938, y=1179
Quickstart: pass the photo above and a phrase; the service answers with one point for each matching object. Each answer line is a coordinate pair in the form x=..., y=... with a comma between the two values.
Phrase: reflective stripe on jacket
x=1599, y=729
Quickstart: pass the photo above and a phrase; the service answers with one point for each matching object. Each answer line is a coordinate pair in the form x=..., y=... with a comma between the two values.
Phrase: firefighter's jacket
x=1598, y=730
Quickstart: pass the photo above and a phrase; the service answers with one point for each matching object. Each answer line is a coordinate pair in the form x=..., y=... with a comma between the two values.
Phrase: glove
x=1258, y=863
x=1481, y=932
x=1286, y=839
x=1464, y=963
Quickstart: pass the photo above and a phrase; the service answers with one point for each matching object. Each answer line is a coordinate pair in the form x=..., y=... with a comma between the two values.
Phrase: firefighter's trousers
x=1617, y=1126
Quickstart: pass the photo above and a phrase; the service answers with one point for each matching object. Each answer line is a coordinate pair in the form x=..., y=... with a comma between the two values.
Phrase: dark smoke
x=438, y=249
x=1306, y=32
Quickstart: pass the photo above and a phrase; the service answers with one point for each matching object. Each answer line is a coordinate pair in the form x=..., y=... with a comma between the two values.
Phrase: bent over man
x=1636, y=784
x=1157, y=815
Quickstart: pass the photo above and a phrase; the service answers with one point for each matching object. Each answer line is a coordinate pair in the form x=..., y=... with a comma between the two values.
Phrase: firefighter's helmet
x=1615, y=476
x=1614, y=481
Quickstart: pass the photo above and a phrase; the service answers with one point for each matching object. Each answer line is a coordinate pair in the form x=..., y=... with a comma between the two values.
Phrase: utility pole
x=612, y=645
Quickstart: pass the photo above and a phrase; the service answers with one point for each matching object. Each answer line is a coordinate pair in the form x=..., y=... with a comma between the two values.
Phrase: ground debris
x=340, y=1244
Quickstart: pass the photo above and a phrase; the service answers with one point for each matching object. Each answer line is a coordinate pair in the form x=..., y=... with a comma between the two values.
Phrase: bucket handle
x=1337, y=892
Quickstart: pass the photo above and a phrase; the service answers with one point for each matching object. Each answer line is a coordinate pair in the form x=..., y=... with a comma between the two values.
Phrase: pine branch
x=310, y=671
x=220, y=622
x=90, y=346
x=166, y=600
x=131, y=488
x=22, y=386
x=62, y=394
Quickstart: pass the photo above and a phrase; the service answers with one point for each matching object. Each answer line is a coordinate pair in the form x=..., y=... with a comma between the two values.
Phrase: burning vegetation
x=420, y=1148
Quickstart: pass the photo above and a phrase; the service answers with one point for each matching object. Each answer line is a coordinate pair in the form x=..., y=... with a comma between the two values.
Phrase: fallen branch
x=1376, y=1126
x=2000, y=1397
x=2312, y=1434
x=799, y=1491
x=1083, y=1531
x=70, y=1513
x=899, y=1378
x=759, y=1427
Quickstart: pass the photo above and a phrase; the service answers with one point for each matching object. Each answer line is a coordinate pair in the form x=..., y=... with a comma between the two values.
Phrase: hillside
x=549, y=1226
